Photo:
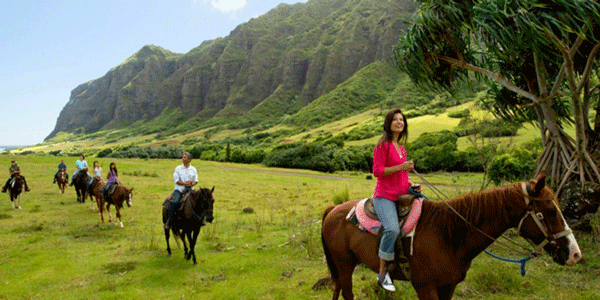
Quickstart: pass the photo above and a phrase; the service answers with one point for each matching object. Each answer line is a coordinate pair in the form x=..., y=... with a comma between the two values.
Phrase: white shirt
x=184, y=174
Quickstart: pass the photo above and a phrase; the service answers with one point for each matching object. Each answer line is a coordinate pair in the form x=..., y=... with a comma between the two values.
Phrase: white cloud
x=228, y=5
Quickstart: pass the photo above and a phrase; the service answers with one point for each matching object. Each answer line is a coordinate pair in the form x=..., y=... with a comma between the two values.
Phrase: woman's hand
x=408, y=165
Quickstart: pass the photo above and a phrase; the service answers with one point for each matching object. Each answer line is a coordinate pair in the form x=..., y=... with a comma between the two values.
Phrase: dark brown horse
x=197, y=209
x=15, y=189
x=121, y=194
x=80, y=182
x=62, y=181
x=444, y=244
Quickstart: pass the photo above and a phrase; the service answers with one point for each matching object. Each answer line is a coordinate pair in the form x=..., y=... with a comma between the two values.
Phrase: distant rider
x=61, y=167
x=111, y=178
x=14, y=170
x=185, y=178
x=97, y=173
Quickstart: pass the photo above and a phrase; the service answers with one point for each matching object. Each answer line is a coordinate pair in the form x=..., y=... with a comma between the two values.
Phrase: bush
x=459, y=114
x=518, y=164
x=105, y=152
x=486, y=128
x=147, y=152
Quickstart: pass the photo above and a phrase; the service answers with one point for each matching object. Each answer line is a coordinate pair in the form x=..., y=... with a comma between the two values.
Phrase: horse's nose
x=574, y=251
x=209, y=219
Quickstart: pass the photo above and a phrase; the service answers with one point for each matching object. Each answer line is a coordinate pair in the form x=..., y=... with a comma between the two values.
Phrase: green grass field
x=56, y=248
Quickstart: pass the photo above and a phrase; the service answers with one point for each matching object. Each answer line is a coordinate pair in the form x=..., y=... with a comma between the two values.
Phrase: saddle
x=184, y=197
x=363, y=215
x=13, y=180
x=112, y=189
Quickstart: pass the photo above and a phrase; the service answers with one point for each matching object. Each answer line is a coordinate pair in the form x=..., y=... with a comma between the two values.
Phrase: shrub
x=105, y=152
x=459, y=114
x=518, y=164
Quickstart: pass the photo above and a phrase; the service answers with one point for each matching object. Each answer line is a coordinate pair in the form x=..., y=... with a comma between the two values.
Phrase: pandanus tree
x=538, y=58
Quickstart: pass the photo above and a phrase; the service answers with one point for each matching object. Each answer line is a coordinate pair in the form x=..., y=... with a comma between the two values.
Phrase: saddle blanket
x=359, y=217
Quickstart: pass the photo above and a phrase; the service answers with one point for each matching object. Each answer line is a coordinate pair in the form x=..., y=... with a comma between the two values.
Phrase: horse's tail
x=330, y=263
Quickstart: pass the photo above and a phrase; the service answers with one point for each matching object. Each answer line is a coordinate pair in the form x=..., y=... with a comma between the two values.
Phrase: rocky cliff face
x=303, y=50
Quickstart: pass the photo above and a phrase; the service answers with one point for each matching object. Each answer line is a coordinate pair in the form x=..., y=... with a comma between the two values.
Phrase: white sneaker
x=387, y=283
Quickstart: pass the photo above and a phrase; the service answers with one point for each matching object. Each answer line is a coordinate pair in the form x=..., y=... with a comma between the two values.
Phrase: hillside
x=267, y=69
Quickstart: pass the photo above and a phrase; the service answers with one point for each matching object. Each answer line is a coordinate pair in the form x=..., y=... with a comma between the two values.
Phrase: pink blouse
x=394, y=185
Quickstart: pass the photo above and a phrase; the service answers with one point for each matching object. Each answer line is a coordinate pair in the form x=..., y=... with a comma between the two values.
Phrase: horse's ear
x=131, y=189
x=213, y=189
x=538, y=183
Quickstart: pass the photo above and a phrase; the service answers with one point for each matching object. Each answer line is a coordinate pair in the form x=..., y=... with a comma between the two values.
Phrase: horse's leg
x=188, y=234
x=193, y=244
x=167, y=235
x=426, y=291
x=185, y=247
x=108, y=211
x=92, y=201
x=446, y=292
x=100, y=208
x=118, y=209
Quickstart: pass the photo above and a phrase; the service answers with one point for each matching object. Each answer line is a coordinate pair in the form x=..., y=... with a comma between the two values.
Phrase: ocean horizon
x=4, y=148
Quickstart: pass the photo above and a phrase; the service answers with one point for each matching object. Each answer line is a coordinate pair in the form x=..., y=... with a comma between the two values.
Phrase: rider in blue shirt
x=81, y=164
x=61, y=167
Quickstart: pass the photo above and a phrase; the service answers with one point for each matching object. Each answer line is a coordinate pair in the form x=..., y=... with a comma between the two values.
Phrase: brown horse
x=95, y=192
x=62, y=181
x=122, y=194
x=16, y=188
x=196, y=211
x=445, y=244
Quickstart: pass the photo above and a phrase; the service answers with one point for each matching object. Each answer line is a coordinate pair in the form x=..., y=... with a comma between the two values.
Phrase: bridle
x=537, y=218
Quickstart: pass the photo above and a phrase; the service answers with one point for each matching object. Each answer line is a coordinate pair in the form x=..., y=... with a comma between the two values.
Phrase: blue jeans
x=388, y=216
x=175, y=202
x=75, y=173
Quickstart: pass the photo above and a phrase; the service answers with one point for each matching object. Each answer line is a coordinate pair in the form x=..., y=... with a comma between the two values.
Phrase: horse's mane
x=475, y=207
x=195, y=197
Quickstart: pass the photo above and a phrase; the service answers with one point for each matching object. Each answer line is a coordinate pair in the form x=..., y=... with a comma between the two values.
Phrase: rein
x=437, y=192
x=521, y=261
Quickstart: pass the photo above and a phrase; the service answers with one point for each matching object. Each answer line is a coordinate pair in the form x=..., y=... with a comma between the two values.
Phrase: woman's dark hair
x=387, y=131
x=110, y=168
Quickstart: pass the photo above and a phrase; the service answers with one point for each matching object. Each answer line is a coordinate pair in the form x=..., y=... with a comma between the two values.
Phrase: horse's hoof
x=121, y=224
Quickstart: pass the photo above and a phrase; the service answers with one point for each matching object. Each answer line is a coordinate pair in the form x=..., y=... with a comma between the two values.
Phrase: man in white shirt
x=185, y=177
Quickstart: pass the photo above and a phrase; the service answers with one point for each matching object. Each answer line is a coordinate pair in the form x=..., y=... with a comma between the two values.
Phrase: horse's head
x=128, y=196
x=207, y=203
x=544, y=226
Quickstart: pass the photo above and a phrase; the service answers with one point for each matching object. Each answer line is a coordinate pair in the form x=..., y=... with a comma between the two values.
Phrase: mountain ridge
x=284, y=59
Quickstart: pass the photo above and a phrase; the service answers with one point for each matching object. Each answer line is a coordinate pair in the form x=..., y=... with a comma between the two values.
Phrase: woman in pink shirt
x=391, y=168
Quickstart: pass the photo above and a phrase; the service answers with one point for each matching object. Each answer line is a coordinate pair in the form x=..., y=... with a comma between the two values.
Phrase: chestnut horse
x=62, y=181
x=196, y=211
x=15, y=189
x=445, y=244
x=94, y=191
x=122, y=194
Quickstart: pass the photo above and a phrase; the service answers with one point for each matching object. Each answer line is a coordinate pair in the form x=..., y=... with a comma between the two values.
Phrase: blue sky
x=48, y=48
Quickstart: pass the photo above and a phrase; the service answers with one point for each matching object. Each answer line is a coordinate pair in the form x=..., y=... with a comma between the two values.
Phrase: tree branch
x=495, y=76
